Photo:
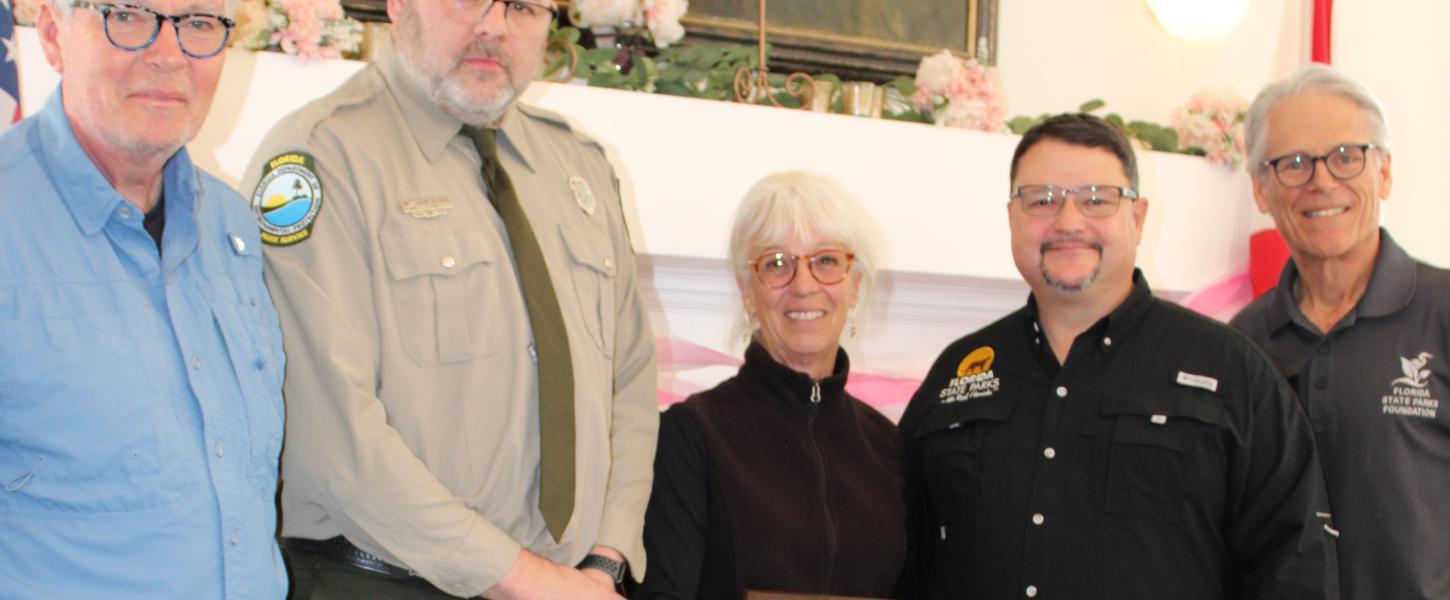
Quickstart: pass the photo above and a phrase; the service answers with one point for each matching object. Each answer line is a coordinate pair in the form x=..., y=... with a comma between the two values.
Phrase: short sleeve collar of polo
x=1391, y=287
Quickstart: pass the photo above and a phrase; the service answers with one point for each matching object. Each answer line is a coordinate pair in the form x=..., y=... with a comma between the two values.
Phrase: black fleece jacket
x=771, y=481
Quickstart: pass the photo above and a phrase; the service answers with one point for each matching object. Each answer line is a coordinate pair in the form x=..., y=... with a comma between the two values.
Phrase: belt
x=341, y=550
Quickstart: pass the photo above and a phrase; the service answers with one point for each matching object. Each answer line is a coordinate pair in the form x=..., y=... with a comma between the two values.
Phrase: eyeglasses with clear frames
x=521, y=16
x=133, y=28
x=778, y=269
x=1094, y=200
x=1344, y=162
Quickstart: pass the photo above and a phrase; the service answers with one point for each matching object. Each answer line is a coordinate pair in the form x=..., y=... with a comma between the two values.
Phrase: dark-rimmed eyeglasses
x=520, y=16
x=1047, y=200
x=1344, y=162
x=132, y=28
x=777, y=269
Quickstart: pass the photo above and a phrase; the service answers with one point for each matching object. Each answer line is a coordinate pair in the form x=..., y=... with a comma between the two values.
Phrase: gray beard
x=448, y=96
x=144, y=151
x=1063, y=286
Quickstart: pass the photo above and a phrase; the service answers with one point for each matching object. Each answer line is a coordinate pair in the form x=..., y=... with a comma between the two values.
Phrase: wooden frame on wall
x=801, y=45
x=879, y=55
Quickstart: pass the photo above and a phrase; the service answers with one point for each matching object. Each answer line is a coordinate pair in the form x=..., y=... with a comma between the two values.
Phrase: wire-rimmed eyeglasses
x=132, y=28
x=777, y=269
x=1344, y=162
x=1093, y=200
x=521, y=16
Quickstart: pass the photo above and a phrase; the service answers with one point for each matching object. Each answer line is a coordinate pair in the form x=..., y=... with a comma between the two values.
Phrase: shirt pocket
x=445, y=287
x=78, y=421
x=592, y=270
x=250, y=333
x=953, y=453
x=1157, y=440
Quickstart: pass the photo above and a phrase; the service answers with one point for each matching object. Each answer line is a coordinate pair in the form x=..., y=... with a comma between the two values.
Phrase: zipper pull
x=815, y=392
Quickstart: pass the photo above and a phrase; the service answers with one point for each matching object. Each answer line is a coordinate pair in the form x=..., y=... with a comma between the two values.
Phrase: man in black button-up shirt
x=1102, y=443
x=1361, y=329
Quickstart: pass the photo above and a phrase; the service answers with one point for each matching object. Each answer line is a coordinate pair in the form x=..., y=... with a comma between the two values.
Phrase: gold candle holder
x=862, y=98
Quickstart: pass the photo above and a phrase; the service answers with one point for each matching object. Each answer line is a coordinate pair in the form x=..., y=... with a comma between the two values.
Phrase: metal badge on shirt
x=974, y=378
x=583, y=194
x=1410, y=395
x=287, y=199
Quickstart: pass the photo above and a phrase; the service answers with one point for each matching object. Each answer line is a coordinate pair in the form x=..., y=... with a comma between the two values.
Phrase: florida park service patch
x=287, y=199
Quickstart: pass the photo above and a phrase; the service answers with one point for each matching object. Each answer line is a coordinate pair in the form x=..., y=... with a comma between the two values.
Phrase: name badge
x=1199, y=381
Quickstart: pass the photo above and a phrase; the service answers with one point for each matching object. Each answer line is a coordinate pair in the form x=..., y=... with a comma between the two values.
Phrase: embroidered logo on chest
x=974, y=378
x=1410, y=395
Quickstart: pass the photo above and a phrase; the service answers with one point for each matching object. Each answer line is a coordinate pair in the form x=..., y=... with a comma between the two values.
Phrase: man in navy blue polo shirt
x=1361, y=329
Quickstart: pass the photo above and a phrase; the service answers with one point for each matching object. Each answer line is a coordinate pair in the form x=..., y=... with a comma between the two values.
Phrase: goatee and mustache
x=1059, y=284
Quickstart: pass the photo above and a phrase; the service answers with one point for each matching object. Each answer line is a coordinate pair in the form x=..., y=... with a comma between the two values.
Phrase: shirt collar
x=790, y=386
x=91, y=199
x=431, y=126
x=1393, y=282
x=1114, y=327
x=1391, y=286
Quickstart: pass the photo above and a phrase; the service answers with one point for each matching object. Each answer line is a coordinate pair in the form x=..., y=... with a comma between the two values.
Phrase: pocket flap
x=589, y=248
x=415, y=251
x=950, y=416
x=1204, y=408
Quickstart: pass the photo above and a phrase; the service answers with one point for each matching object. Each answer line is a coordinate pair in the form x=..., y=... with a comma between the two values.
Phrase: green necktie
x=551, y=341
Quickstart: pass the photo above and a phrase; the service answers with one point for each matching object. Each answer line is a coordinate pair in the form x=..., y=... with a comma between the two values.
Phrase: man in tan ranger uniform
x=413, y=446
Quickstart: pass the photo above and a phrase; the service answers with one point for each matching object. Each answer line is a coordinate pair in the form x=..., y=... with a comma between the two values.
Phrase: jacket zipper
x=821, y=478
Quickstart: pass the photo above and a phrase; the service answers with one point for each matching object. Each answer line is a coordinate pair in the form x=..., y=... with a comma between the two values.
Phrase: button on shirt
x=1375, y=387
x=1170, y=463
x=121, y=370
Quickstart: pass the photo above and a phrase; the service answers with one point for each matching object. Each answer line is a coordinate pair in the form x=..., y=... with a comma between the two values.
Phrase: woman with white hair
x=777, y=479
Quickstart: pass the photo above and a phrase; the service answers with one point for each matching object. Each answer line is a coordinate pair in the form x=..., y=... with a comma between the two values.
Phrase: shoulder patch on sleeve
x=288, y=199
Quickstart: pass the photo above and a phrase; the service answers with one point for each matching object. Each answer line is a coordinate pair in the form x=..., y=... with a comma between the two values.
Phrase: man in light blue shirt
x=140, y=357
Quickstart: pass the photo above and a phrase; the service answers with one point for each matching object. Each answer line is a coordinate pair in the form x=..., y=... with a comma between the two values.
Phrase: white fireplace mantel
x=938, y=194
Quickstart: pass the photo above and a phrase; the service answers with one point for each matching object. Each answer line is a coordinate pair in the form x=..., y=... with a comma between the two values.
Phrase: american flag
x=9, y=76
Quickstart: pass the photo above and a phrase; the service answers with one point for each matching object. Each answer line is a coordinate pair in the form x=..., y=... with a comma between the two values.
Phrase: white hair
x=800, y=204
x=1313, y=78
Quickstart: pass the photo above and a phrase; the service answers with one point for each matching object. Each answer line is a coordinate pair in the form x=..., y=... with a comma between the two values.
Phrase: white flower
x=965, y=113
x=1213, y=121
x=593, y=13
x=938, y=72
x=663, y=18
x=253, y=29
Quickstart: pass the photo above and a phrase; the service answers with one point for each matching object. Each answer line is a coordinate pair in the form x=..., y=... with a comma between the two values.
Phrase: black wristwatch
x=615, y=569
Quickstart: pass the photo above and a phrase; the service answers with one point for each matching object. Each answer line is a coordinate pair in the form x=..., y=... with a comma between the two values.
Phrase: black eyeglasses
x=519, y=15
x=1047, y=200
x=1297, y=169
x=130, y=27
x=777, y=269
